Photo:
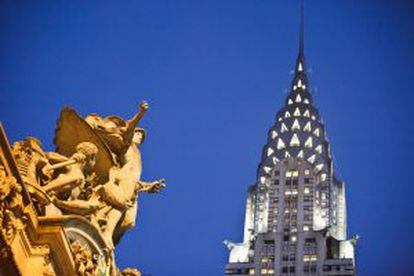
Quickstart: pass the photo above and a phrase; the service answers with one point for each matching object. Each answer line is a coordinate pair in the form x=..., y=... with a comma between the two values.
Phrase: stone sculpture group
x=90, y=185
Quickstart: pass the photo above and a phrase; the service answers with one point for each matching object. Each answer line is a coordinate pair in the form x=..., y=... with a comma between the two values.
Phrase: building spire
x=301, y=31
x=300, y=87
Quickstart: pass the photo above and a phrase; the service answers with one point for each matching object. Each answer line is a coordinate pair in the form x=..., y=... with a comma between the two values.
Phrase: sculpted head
x=139, y=136
x=89, y=150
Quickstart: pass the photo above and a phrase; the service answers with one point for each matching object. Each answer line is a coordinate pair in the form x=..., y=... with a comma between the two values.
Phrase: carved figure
x=75, y=168
x=124, y=185
x=85, y=263
x=89, y=188
x=11, y=206
x=50, y=173
x=112, y=203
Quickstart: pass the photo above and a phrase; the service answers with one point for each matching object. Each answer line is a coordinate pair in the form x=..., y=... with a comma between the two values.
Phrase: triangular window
x=300, y=154
x=287, y=154
x=274, y=134
x=308, y=142
x=316, y=132
x=295, y=125
x=297, y=112
x=287, y=114
x=290, y=101
x=298, y=98
x=306, y=114
x=283, y=128
x=307, y=126
x=300, y=68
x=318, y=149
x=311, y=159
x=294, y=142
x=280, y=144
x=306, y=101
x=275, y=160
x=318, y=167
x=270, y=151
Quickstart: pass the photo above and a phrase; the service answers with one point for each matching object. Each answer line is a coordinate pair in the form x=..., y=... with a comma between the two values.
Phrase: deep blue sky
x=214, y=73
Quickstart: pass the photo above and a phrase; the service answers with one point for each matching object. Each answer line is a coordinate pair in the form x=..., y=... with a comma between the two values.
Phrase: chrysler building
x=295, y=222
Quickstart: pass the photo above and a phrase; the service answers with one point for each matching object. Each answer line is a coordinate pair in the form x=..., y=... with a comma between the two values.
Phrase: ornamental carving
x=11, y=208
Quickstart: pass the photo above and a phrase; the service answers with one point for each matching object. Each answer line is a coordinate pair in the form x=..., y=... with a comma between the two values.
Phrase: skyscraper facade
x=295, y=222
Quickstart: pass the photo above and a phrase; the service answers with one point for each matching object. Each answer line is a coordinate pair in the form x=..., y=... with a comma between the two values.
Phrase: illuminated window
x=300, y=68
x=270, y=151
x=280, y=144
x=297, y=112
x=306, y=114
x=283, y=128
x=305, y=228
x=274, y=134
x=298, y=98
x=287, y=154
x=299, y=83
x=294, y=142
x=300, y=154
x=295, y=125
x=308, y=142
x=316, y=132
x=307, y=127
x=306, y=101
x=306, y=190
x=312, y=159
x=292, y=173
x=290, y=101
x=287, y=114
x=318, y=149
x=307, y=171
x=318, y=167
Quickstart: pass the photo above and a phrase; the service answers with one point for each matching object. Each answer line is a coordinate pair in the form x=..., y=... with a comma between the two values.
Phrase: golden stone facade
x=63, y=212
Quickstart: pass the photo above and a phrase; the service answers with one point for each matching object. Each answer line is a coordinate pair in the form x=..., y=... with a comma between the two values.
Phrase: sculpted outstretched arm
x=131, y=124
x=143, y=107
x=80, y=207
x=56, y=157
